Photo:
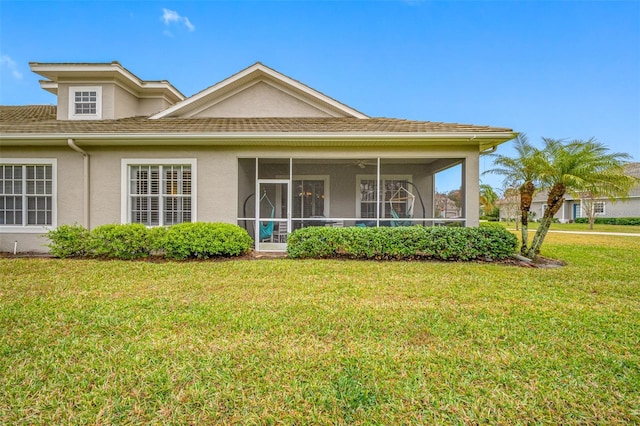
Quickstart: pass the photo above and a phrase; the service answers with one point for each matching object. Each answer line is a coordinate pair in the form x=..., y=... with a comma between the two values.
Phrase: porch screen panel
x=395, y=196
x=308, y=198
x=368, y=198
x=394, y=192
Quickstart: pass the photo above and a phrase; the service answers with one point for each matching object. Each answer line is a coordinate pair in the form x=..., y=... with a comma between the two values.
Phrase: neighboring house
x=118, y=149
x=445, y=207
x=574, y=207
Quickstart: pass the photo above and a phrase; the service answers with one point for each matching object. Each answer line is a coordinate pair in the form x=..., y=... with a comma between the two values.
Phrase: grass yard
x=583, y=227
x=324, y=342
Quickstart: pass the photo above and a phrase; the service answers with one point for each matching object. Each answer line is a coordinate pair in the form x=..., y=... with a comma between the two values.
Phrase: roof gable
x=259, y=91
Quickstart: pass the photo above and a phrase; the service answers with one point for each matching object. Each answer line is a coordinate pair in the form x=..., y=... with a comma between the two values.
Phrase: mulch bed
x=539, y=262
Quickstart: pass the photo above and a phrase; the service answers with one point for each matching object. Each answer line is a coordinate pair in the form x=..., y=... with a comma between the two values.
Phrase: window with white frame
x=598, y=207
x=159, y=193
x=27, y=193
x=393, y=195
x=85, y=102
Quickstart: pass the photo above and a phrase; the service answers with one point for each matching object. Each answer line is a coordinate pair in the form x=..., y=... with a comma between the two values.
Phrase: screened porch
x=279, y=195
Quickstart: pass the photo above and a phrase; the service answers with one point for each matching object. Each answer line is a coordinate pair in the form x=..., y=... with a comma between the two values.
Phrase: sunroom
x=279, y=195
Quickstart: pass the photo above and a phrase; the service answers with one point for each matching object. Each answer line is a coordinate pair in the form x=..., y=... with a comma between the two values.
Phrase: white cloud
x=172, y=17
x=189, y=25
x=7, y=63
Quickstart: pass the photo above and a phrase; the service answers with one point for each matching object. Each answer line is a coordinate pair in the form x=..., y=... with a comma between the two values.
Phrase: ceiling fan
x=364, y=163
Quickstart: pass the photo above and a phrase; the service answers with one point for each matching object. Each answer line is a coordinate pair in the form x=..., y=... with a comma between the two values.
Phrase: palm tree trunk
x=554, y=202
x=526, y=197
x=538, y=238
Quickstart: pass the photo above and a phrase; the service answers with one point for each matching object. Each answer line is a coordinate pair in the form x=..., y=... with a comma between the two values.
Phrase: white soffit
x=249, y=76
x=100, y=72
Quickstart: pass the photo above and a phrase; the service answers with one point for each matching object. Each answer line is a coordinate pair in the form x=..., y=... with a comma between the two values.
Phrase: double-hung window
x=598, y=207
x=158, y=192
x=85, y=103
x=27, y=194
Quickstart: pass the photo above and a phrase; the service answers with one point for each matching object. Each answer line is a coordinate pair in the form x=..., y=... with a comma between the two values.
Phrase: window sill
x=33, y=229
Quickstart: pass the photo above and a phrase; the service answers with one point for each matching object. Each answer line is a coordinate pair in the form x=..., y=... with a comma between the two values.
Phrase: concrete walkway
x=619, y=234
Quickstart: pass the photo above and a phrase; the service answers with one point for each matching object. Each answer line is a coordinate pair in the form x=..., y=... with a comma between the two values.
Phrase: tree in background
x=455, y=195
x=522, y=173
x=488, y=198
x=577, y=166
x=510, y=206
x=588, y=204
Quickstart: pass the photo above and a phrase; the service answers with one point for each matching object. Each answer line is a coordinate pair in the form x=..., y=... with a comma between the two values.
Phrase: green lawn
x=324, y=342
x=584, y=227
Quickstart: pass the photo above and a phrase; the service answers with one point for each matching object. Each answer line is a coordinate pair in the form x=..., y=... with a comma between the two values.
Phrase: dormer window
x=85, y=103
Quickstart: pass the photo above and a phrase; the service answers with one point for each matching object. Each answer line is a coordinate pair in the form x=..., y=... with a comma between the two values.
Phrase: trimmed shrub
x=68, y=241
x=203, y=240
x=611, y=220
x=157, y=238
x=129, y=241
x=414, y=242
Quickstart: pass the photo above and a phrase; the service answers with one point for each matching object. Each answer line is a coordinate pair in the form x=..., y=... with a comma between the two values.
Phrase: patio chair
x=402, y=194
x=266, y=228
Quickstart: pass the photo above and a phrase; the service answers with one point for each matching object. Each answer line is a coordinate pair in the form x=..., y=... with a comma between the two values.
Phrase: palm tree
x=574, y=167
x=488, y=198
x=520, y=172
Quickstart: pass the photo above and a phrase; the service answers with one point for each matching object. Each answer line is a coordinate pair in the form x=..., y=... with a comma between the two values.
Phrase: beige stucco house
x=575, y=206
x=258, y=149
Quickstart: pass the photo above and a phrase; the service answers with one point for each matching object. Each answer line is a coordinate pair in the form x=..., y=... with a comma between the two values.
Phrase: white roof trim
x=259, y=69
x=463, y=136
x=53, y=70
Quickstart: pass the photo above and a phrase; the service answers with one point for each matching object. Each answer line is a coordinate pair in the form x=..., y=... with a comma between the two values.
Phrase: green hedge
x=611, y=220
x=132, y=241
x=414, y=242
x=68, y=241
x=203, y=240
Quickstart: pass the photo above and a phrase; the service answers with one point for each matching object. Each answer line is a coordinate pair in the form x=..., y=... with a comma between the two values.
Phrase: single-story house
x=258, y=149
x=575, y=207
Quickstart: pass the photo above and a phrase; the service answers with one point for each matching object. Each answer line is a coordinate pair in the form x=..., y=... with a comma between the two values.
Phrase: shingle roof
x=631, y=169
x=34, y=119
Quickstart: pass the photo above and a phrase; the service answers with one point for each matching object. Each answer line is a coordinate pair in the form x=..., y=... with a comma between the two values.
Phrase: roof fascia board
x=467, y=138
x=255, y=69
x=49, y=86
x=52, y=71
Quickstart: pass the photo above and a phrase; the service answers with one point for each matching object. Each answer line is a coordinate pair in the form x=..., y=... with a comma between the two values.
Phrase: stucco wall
x=150, y=106
x=69, y=199
x=107, y=104
x=261, y=100
x=216, y=180
x=116, y=102
x=621, y=208
x=125, y=104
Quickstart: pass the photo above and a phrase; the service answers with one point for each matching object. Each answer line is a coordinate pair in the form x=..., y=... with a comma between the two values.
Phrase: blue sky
x=559, y=69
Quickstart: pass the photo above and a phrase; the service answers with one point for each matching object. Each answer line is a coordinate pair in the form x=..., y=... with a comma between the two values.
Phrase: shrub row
x=414, y=242
x=612, y=220
x=133, y=241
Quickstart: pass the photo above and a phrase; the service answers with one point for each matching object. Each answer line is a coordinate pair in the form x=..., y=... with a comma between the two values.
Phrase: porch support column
x=471, y=189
